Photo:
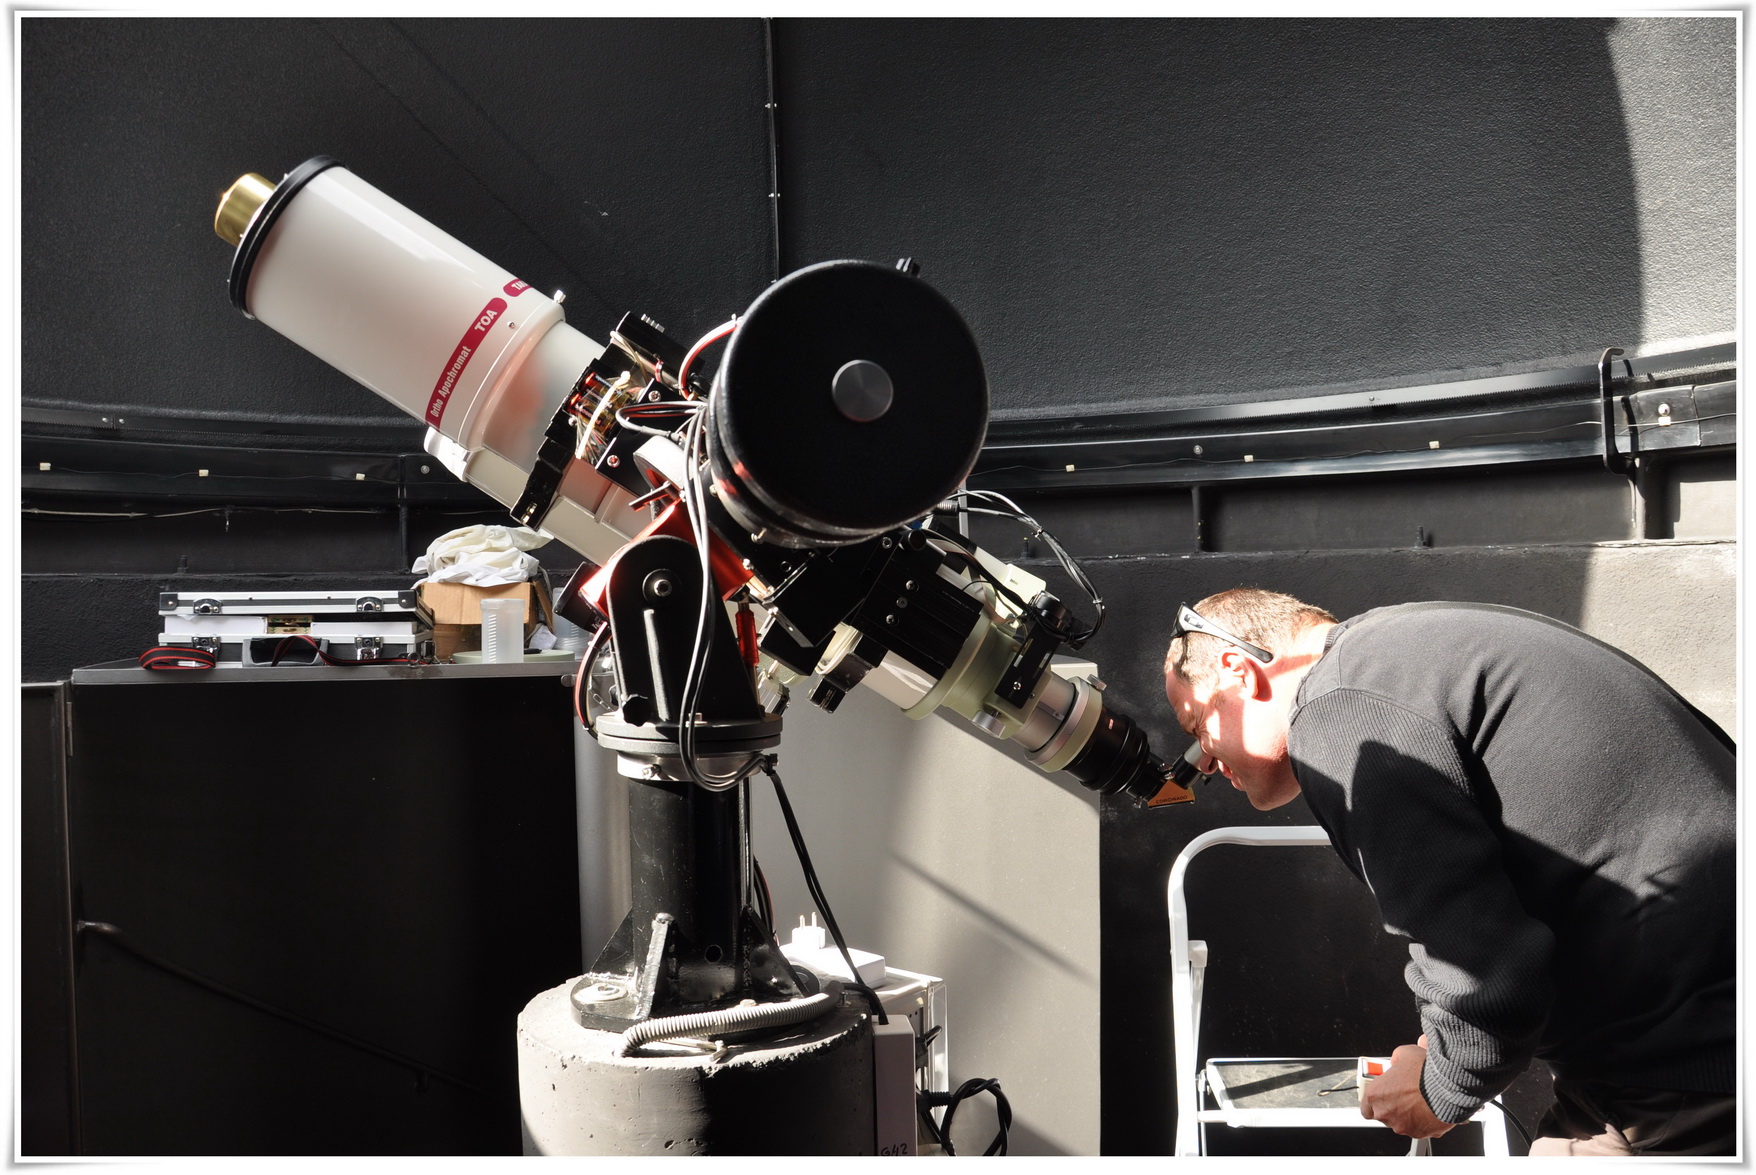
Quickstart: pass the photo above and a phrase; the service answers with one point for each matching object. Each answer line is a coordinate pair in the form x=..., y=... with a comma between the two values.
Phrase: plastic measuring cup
x=502, y=631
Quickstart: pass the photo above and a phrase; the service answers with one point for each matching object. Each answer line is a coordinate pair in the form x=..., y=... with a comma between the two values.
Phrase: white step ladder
x=1263, y=1091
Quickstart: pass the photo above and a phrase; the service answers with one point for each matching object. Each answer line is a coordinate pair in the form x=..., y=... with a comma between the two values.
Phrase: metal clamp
x=1614, y=461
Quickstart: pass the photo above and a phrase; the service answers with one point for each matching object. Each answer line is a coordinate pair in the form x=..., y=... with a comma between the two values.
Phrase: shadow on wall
x=1205, y=211
x=950, y=855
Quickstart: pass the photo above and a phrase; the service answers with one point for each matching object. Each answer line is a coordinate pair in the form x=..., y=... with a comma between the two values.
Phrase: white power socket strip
x=811, y=947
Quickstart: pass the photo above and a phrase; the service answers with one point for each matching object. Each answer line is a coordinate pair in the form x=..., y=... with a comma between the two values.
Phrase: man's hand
x=1395, y=1098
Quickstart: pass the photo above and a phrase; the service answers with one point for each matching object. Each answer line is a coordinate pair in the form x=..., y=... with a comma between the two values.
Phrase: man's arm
x=1395, y=788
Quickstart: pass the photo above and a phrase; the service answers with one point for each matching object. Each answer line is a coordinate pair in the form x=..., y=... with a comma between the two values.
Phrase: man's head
x=1234, y=702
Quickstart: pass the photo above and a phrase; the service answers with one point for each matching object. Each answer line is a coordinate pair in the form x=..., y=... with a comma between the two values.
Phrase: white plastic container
x=502, y=631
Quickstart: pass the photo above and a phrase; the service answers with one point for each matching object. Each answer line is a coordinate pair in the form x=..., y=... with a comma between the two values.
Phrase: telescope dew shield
x=423, y=320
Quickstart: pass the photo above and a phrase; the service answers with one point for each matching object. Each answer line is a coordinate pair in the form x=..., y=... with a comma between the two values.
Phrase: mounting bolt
x=652, y=395
x=1199, y=450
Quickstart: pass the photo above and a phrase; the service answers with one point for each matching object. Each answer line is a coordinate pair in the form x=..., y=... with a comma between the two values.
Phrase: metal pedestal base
x=808, y=1091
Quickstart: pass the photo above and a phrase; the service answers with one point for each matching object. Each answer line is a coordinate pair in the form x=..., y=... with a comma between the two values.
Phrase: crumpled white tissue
x=485, y=556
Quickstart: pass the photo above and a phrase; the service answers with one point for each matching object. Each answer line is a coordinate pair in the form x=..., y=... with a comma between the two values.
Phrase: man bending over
x=1548, y=823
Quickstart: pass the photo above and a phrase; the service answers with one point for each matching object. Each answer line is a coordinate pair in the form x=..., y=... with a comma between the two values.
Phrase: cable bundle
x=1011, y=509
x=177, y=657
x=940, y=1132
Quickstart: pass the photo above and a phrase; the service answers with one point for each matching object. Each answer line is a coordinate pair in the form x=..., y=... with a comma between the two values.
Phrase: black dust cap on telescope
x=852, y=400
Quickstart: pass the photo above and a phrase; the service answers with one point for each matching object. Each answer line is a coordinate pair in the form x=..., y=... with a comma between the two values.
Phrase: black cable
x=927, y=1100
x=1062, y=556
x=421, y=1070
x=1513, y=1118
x=816, y=889
x=764, y=899
x=969, y=550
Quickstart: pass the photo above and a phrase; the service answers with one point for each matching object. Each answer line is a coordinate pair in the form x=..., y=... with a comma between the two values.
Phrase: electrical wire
x=1068, y=563
x=928, y=1100
x=968, y=550
x=177, y=657
x=586, y=663
x=695, y=507
x=1513, y=1118
x=707, y=340
x=764, y=898
x=422, y=1070
x=815, y=888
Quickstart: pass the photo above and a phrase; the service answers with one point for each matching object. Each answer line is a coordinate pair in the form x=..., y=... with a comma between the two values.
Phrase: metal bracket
x=553, y=457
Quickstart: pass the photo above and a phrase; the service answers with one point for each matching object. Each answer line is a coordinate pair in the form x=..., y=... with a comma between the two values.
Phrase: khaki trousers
x=1596, y=1118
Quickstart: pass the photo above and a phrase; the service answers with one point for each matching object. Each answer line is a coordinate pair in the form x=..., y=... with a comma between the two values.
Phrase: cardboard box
x=457, y=612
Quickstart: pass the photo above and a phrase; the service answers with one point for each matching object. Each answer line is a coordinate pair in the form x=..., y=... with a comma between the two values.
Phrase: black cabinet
x=332, y=892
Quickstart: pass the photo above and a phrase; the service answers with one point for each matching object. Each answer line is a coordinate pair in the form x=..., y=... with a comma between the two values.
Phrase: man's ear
x=1237, y=667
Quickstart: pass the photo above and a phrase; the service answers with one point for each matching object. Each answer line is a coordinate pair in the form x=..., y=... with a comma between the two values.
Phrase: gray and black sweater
x=1553, y=829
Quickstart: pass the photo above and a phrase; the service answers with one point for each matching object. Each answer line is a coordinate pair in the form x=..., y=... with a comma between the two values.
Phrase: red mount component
x=729, y=572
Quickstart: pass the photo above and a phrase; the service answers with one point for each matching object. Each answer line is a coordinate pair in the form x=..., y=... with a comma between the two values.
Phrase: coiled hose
x=744, y=1017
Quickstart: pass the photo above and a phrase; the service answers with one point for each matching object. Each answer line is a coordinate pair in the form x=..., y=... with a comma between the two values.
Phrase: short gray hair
x=1273, y=620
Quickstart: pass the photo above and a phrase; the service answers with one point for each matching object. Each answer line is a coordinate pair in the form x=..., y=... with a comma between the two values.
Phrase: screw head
x=1664, y=409
x=1199, y=450
x=652, y=395
x=612, y=461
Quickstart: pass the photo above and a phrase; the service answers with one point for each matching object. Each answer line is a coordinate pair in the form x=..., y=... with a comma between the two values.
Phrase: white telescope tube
x=429, y=324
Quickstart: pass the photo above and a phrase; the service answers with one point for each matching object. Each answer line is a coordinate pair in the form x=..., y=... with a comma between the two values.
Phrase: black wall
x=1132, y=215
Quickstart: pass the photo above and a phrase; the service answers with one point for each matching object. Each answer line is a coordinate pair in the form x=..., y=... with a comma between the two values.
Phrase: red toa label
x=466, y=349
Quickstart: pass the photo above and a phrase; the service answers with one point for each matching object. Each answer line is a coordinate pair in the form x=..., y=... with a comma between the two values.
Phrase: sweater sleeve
x=1392, y=789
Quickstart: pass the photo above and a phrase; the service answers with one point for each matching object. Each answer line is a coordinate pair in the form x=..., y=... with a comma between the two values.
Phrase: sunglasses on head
x=1189, y=620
